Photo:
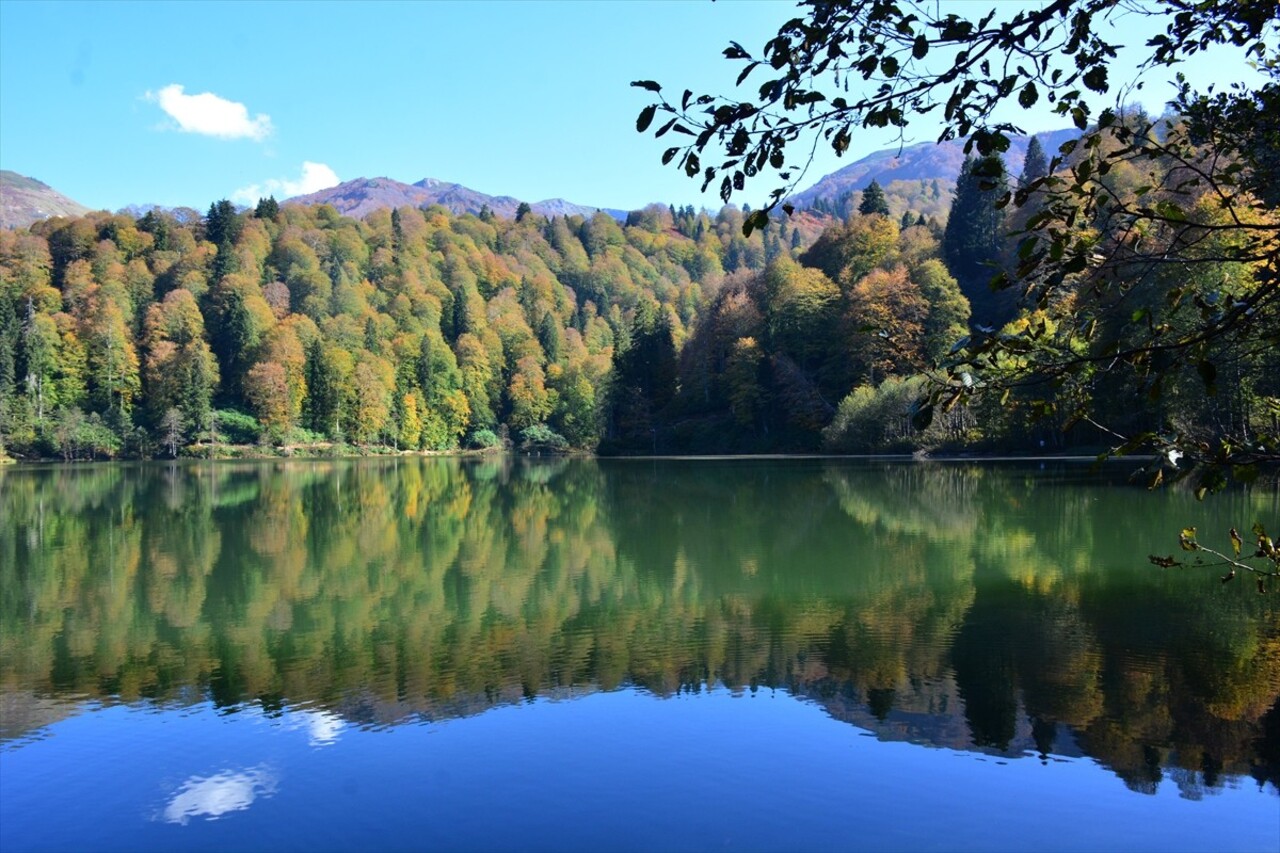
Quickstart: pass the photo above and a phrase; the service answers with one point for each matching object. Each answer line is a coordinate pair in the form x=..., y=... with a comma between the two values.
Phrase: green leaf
x=1236, y=542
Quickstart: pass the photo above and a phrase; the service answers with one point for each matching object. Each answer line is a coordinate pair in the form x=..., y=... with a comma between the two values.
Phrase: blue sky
x=184, y=103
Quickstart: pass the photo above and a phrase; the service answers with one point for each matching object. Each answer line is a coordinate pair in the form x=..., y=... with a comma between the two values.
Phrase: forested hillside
x=419, y=329
x=410, y=329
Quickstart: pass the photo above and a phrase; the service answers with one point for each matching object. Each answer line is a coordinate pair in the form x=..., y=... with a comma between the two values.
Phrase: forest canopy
x=1148, y=249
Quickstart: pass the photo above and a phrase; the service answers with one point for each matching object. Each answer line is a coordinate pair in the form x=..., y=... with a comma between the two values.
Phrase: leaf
x=920, y=47
x=1236, y=542
x=1096, y=78
x=647, y=84
x=1028, y=96
x=1187, y=539
x=645, y=118
x=1163, y=562
x=921, y=415
x=669, y=155
x=755, y=219
x=1229, y=576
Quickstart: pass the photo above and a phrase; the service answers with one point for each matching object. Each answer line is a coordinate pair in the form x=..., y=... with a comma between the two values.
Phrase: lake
x=572, y=654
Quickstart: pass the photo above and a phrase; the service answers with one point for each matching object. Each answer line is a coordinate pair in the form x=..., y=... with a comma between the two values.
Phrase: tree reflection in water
x=1003, y=609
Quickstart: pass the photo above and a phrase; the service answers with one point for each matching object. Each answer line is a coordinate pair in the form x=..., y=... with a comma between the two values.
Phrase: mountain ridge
x=923, y=161
x=361, y=196
x=24, y=200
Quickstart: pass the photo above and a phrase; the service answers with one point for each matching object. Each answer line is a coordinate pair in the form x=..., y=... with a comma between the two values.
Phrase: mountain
x=25, y=200
x=927, y=161
x=360, y=196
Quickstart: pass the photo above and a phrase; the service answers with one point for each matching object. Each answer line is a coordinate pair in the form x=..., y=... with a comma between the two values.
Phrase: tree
x=267, y=390
x=1035, y=165
x=1087, y=245
x=173, y=428
x=974, y=238
x=873, y=200
x=268, y=208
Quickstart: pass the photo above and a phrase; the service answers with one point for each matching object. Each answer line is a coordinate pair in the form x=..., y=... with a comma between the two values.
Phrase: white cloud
x=210, y=115
x=315, y=176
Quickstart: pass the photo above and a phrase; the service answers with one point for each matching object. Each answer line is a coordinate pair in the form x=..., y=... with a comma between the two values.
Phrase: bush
x=878, y=420
x=542, y=437
x=483, y=439
x=300, y=435
x=237, y=427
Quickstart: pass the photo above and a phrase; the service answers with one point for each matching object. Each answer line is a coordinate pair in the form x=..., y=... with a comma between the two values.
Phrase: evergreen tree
x=1036, y=165
x=873, y=200
x=221, y=224
x=268, y=208
x=644, y=383
x=972, y=240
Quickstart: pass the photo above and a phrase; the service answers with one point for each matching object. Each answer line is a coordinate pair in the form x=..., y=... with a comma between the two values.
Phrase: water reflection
x=995, y=609
x=213, y=797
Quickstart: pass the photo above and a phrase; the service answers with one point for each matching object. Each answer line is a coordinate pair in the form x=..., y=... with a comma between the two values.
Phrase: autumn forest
x=289, y=327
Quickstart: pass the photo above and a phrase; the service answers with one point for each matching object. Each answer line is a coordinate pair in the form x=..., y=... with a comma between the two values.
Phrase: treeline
x=671, y=332
x=412, y=329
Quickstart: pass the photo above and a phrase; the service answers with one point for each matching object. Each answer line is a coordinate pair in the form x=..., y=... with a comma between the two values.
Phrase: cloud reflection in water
x=212, y=797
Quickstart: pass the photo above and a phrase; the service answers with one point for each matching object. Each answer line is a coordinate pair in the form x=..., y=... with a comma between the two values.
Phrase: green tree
x=974, y=239
x=268, y=208
x=1035, y=165
x=873, y=200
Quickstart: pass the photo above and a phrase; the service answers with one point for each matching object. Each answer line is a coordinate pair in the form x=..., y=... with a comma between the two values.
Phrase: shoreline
x=247, y=453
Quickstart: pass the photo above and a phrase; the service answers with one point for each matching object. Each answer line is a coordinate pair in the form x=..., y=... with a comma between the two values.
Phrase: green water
x=299, y=655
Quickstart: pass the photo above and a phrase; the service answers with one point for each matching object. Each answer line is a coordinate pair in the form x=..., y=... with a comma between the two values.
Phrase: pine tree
x=873, y=200
x=1036, y=165
x=267, y=208
x=972, y=240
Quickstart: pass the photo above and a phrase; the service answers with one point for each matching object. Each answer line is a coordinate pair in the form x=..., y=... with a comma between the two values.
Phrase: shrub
x=542, y=437
x=483, y=439
x=236, y=427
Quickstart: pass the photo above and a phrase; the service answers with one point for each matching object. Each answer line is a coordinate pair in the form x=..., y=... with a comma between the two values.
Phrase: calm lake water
x=627, y=655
